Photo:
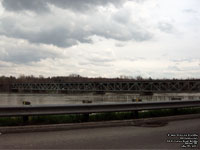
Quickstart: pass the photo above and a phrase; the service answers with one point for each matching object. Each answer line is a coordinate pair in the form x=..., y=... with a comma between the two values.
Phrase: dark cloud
x=42, y=5
x=83, y=5
x=21, y=5
x=66, y=36
x=77, y=29
x=59, y=36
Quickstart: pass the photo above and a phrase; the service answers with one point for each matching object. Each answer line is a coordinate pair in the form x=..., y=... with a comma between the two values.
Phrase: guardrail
x=31, y=110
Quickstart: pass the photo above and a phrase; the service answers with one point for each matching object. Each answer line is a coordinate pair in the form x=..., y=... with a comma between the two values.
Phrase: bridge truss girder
x=135, y=86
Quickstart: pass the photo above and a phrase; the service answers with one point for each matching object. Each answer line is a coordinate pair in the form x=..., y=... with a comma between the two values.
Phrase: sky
x=107, y=38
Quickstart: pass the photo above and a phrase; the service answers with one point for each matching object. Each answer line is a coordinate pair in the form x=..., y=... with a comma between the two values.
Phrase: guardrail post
x=86, y=117
x=25, y=119
x=175, y=111
x=135, y=114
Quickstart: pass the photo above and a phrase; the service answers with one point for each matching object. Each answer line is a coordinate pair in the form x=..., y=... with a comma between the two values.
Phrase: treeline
x=5, y=82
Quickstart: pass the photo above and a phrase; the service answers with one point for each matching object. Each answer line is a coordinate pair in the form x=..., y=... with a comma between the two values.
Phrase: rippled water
x=42, y=99
x=48, y=99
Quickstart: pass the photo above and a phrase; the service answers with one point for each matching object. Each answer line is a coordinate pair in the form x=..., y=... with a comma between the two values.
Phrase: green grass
x=76, y=118
x=11, y=121
x=111, y=116
x=52, y=119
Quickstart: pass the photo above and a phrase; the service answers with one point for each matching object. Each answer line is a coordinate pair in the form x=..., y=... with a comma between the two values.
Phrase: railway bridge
x=135, y=86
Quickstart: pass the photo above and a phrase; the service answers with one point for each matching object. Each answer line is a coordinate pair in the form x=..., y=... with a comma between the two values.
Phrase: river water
x=16, y=99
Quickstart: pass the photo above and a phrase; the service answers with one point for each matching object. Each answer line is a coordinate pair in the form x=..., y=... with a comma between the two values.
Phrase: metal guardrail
x=93, y=108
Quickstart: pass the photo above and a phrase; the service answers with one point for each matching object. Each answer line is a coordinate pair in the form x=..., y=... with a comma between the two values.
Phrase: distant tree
x=22, y=76
x=41, y=76
x=74, y=75
x=125, y=77
x=139, y=78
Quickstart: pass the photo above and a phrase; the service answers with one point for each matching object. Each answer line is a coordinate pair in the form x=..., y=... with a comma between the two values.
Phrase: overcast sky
x=108, y=38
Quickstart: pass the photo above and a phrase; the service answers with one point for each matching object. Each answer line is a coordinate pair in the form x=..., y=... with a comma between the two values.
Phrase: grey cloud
x=100, y=58
x=42, y=5
x=63, y=33
x=124, y=32
x=122, y=16
x=21, y=52
x=5, y=64
x=59, y=36
x=66, y=36
x=81, y=5
x=24, y=56
x=20, y=5
x=165, y=27
x=119, y=45
x=122, y=27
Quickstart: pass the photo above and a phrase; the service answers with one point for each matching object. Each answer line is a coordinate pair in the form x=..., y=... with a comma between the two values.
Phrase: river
x=16, y=99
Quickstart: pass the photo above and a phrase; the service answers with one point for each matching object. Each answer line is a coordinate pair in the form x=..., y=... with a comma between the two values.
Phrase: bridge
x=159, y=86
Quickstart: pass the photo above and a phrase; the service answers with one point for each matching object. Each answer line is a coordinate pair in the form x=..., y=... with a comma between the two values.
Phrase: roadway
x=124, y=137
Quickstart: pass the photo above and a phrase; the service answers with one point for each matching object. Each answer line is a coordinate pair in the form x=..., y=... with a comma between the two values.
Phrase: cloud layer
x=100, y=38
x=43, y=6
x=72, y=28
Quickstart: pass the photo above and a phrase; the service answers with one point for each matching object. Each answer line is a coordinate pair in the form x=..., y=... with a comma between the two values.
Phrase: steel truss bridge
x=162, y=86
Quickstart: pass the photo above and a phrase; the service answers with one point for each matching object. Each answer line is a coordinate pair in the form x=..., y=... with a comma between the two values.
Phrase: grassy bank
x=57, y=119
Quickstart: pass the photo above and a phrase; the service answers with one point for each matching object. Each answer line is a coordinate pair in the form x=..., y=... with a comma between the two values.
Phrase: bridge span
x=154, y=86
